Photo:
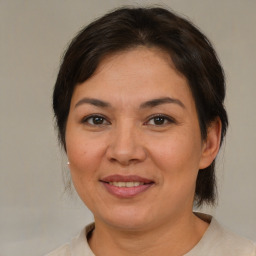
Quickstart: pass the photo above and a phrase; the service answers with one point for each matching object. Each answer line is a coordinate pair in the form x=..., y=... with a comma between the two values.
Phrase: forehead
x=133, y=58
x=135, y=74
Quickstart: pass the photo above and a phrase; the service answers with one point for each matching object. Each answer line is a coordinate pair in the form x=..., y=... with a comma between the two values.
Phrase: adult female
x=139, y=108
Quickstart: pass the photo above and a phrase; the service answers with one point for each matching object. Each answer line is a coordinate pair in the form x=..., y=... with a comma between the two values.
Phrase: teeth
x=126, y=184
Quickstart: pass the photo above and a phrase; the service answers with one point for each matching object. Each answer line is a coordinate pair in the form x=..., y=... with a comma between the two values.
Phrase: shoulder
x=78, y=245
x=220, y=241
x=61, y=251
x=235, y=244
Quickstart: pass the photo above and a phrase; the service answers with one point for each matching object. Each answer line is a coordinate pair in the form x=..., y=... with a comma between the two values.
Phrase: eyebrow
x=95, y=102
x=160, y=101
x=147, y=104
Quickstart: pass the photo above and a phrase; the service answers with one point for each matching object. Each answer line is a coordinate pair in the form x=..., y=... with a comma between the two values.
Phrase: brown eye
x=96, y=120
x=160, y=120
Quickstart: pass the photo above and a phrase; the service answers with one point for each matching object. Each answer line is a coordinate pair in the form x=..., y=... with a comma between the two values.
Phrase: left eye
x=96, y=120
x=159, y=120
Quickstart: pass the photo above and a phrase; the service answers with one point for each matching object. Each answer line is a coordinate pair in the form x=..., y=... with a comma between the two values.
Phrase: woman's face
x=133, y=141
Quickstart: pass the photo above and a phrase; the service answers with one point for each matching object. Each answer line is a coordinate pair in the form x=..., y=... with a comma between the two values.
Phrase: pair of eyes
x=156, y=120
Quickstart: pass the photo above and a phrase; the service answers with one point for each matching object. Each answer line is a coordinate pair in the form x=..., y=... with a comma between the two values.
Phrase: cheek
x=84, y=155
x=177, y=154
x=84, y=158
x=81, y=147
x=178, y=160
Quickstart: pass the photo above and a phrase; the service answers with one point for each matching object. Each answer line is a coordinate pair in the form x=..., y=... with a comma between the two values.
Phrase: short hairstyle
x=189, y=49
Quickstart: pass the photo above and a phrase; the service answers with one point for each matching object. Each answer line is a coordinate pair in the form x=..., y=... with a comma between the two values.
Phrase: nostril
x=125, y=145
x=125, y=157
x=123, y=160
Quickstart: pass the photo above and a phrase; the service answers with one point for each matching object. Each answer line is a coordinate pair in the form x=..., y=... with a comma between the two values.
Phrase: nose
x=125, y=146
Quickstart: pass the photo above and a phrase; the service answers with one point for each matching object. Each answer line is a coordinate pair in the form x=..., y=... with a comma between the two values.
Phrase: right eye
x=95, y=120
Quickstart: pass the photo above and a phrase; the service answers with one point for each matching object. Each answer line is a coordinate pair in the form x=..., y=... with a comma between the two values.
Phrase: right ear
x=211, y=144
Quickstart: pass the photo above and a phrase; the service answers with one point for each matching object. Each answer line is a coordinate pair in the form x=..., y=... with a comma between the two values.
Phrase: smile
x=126, y=186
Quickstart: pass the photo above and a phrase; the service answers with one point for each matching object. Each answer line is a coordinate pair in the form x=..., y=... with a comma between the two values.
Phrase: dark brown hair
x=189, y=49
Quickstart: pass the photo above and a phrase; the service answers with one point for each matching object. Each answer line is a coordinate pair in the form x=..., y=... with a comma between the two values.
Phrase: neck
x=172, y=238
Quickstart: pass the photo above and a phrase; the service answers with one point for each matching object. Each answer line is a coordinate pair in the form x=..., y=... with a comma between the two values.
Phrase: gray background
x=35, y=215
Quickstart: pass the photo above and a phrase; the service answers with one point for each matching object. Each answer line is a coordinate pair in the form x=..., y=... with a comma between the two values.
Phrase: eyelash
x=165, y=119
x=85, y=120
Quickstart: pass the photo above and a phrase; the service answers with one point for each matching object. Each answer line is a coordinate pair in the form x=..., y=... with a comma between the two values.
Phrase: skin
x=128, y=140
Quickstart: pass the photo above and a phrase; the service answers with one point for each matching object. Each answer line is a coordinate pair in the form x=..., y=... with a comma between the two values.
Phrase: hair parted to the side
x=190, y=51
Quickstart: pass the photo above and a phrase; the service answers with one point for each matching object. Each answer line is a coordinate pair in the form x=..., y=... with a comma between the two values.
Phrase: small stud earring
x=68, y=163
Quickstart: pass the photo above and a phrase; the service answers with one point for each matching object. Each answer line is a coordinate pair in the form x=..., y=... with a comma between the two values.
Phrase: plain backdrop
x=35, y=215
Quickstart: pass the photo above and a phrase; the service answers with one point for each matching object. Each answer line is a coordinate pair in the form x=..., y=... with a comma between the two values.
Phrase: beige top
x=216, y=241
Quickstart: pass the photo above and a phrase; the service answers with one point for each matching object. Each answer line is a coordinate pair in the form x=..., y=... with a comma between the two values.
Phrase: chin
x=129, y=219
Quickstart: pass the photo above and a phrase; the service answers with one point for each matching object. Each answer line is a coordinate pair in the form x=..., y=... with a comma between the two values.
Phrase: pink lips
x=126, y=192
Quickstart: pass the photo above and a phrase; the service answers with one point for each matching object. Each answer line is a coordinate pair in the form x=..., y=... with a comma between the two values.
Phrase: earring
x=68, y=163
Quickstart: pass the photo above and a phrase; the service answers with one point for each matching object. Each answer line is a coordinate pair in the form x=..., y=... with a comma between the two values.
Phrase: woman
x=139, y=108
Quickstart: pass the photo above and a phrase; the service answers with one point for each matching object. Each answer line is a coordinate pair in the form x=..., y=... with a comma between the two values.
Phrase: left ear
x=211, y=144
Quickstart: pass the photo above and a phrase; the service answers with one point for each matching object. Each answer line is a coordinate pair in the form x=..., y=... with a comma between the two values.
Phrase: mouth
x=126, y=186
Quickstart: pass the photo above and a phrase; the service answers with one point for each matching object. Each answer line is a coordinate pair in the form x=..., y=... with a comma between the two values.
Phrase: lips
x=126, y=186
